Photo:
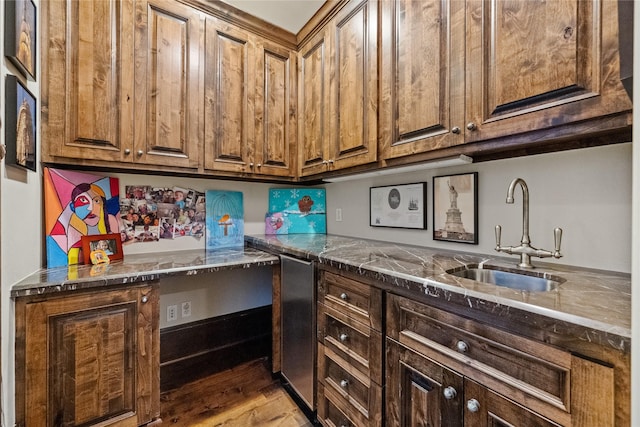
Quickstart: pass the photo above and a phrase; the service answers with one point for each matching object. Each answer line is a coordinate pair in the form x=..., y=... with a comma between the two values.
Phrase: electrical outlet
x=172, y=313
x=186, y=309
x=338, y=214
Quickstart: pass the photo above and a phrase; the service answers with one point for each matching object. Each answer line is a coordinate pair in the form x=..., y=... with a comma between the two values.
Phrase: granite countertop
x=599, y=302
x=139, y=268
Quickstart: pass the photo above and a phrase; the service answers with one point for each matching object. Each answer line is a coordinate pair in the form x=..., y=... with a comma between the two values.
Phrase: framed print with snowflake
x=296, y=211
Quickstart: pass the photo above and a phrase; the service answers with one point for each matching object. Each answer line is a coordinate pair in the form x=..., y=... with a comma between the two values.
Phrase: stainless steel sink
x=521, y=281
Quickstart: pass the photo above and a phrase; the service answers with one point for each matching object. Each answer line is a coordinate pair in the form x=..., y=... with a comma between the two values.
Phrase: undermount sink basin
x=520, y=281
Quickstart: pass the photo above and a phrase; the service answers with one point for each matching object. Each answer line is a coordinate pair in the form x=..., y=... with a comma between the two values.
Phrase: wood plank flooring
x=244, y=396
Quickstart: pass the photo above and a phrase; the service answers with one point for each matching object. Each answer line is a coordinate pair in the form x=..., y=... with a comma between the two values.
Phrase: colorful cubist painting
x=224, y=226
x=77, y=204
x=296, y=211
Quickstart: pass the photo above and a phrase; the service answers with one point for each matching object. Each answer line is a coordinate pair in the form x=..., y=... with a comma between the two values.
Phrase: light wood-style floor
x=240, y=397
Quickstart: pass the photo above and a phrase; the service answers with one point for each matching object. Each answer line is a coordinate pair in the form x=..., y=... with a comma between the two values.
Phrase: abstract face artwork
x=77, y=204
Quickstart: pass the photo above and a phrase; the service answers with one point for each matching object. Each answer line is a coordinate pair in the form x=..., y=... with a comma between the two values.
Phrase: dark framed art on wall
x=20, y=125
x=455, y=208
x=20, y=35
x=399, y=206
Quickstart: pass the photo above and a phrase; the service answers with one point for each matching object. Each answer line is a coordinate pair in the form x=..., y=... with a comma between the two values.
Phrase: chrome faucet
x=525, y=249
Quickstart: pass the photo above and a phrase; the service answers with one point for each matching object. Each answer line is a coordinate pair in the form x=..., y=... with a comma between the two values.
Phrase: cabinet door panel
x=536, y=65
x=92, y=374
x=497, y=411
x=275, y=111
x=313, y=104
x=92, y=358
x=227, y=88
x=354, y=91
x=87, y=110
x=422, y=81
x=168, y=57
x=416, y=390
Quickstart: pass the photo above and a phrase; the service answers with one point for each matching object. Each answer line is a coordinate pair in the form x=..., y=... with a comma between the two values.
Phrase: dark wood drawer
x=514, y=366
x=358, y=300
x=334, y=411
x=350, y=385
x=354, y=342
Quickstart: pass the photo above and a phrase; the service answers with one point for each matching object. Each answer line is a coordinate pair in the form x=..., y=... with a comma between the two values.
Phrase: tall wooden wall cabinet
x=88, y=358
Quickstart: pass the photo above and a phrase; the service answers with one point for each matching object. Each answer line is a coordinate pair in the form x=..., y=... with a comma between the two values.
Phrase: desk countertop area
x=139, y=268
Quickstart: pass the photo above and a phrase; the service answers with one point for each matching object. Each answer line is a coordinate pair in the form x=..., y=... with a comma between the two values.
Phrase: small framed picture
x=400, y=206
x=96, y=247
x=20, y=126
x=20, y=35
x=455, y=208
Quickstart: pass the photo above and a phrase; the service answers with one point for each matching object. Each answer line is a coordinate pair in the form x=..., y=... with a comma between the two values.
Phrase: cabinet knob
x=473, y=405
x=344, y=383
x=455, y=130
x=127, y=151
x=344, y=296
x=344, y=424
x=449, y=393
x=343, y=337
x=462, y=346
x=145, y=298
x=330, y=161
x=471, y=126
x=324, y=162
x=259, y=165
x=251, y=164
x=139, y=153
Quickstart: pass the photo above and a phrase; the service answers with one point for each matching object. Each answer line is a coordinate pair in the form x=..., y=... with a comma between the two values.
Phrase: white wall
x=20, y=228
x=585, y=192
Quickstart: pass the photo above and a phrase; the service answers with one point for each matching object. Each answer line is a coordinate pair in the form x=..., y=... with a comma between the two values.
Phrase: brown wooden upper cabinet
x=120, y=82
x=249, y=105
x=461, y=72
x=338, y=92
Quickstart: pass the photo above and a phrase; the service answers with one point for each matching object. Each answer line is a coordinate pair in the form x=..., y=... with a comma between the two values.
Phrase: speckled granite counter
x=594, y=306
x=139, y=268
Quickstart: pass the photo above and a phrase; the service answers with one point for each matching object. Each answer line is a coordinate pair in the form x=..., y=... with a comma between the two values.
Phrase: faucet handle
x=498, y=236
x=557, y=237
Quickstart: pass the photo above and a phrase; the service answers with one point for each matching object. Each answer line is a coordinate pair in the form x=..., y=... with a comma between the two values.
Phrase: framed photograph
x=399, y=206
x=110, y=244
x=20, y=125
x=455, y=208
x=20, y=35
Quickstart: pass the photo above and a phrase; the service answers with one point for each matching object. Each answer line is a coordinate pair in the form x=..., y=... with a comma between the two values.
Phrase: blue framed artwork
x=296, y=211
x=224, y=225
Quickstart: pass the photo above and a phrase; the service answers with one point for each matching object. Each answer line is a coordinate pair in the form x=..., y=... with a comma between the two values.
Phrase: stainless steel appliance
x=298, y=327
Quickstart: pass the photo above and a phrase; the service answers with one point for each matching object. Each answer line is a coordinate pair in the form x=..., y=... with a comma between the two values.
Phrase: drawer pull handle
x=473, y=405
x=449, y=393
x=145, y=299
x=462, y=346
x=344, y=383
x=344, y=296
x=343, y=337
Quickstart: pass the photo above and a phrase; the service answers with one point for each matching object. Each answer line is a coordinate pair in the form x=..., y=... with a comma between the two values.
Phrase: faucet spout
x=525, y=250
x=526, y=240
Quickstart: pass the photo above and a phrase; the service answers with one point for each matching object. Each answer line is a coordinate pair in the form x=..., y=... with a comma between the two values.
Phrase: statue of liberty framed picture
x=455, y=208
x=20, y=125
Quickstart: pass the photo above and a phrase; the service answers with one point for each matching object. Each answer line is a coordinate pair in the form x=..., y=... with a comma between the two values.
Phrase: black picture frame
x=20, y=125
x=21, y=35
x=455, y=208
x=399, y=206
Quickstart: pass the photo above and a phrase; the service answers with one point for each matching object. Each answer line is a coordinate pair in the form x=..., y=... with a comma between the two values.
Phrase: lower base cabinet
x=88, y=358
x=443, y=369
x=421, y=392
